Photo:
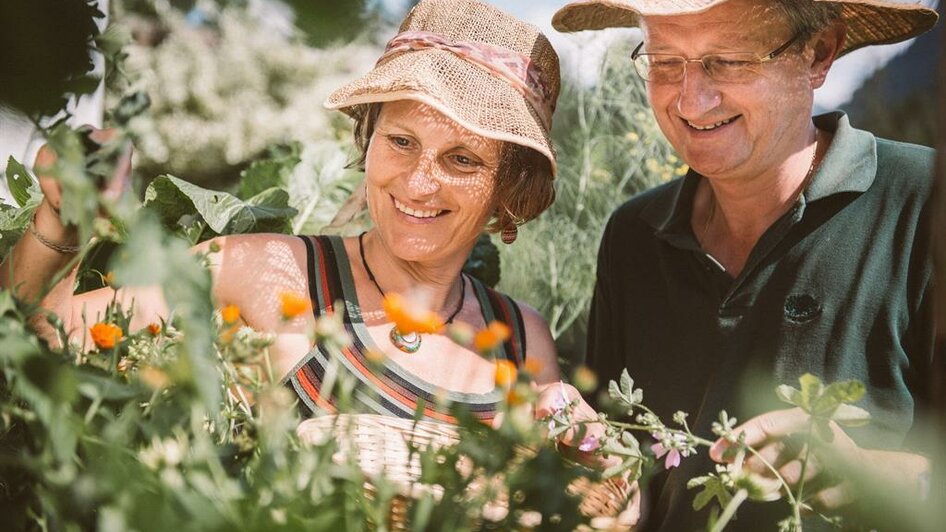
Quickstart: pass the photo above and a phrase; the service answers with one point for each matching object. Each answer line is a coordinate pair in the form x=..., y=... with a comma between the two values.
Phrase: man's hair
x=807, y=17
x=524, y=187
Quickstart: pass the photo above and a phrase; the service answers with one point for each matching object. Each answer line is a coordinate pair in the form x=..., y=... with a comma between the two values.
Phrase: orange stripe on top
x=313, y=391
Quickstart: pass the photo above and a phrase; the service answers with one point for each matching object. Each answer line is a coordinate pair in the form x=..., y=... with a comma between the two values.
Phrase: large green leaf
x=173, y=199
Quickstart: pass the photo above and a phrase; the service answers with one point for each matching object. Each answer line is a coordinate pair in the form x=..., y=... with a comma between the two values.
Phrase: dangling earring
x=509, y=234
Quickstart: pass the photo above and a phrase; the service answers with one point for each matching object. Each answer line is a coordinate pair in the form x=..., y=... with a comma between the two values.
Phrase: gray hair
x=807, y=17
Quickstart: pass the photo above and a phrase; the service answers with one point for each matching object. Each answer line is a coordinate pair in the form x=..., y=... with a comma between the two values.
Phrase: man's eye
x=463, y=160
x=728, y=63
x=664, y=64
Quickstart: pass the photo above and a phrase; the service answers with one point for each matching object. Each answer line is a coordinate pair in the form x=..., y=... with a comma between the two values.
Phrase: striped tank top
x=384, y=387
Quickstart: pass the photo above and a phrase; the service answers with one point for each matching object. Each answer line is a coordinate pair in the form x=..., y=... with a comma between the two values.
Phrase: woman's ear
x=826, y=44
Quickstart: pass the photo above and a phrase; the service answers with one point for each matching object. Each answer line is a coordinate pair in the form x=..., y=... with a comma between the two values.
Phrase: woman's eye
x=400, y=142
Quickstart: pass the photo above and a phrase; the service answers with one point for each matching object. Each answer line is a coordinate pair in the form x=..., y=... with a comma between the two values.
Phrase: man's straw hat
x=868, y=21
x=491, y=73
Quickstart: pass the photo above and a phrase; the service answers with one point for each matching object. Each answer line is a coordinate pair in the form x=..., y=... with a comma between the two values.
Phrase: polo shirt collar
x=849, y=165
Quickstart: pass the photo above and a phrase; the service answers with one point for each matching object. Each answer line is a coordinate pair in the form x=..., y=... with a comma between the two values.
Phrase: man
x=794, y=244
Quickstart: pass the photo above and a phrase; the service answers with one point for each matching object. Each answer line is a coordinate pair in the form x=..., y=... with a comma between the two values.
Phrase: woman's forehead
x=420, y=118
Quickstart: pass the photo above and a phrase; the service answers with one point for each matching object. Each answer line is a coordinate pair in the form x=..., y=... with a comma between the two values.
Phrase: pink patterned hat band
x=514, y=68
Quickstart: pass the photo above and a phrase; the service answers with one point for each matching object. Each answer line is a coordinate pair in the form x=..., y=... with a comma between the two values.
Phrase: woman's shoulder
x=539, y=344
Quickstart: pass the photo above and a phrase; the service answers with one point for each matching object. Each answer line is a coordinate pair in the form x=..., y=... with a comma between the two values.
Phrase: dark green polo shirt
x=840, y=287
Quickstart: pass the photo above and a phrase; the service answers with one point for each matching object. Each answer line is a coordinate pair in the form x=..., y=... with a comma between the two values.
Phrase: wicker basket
x=383, y=447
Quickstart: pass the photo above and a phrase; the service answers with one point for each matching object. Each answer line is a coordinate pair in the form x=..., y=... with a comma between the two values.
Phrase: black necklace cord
x=371, y=277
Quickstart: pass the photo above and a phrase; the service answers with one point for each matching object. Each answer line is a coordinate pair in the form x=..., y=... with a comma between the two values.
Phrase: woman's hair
x=807, y=18
x=524, y=185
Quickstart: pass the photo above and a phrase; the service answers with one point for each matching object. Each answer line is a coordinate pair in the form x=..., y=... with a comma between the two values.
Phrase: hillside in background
x=900, y=101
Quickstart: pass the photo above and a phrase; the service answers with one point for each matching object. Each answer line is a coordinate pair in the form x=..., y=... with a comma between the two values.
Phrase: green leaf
x=789, y=395
x=97, y=386
x=173, y=199
x=274, y=171
x=614, y=391
x=850, y=391
x=483, y=262
x=627, y=383
x=811, y=390
x=713, y=488
x=20, y=182
x=851, y=416
x=130, y=106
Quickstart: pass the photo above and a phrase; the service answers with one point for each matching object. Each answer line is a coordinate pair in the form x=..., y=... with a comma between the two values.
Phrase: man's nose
x=424, y=178
x=698, y=93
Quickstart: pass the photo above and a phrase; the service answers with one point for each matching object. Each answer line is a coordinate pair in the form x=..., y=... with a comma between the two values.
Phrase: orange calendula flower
x=410, y=317
x=109, y=278
x=154, y=329
x=514, y=398
x=532, y=366
x=154, y=378
x=584, y=379
x=294, y=305
x=230, y=314
x=489, y=338
x=505, y=374
x=105, y=335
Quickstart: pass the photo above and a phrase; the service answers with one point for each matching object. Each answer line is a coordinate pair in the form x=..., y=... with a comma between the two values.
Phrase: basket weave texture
x=386, y=446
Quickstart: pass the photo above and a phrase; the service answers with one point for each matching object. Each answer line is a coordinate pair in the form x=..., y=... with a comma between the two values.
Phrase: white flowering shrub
x=225, y=90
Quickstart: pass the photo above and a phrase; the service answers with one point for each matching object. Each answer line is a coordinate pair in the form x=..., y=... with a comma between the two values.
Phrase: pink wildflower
x=589, y=443
x=673, y=455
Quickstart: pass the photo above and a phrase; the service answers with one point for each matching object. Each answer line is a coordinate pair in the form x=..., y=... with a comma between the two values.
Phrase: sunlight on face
x=732, y=129
x=430, y=182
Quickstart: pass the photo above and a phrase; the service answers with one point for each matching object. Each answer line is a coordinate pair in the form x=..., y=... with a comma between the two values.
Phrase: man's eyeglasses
x=728, y=67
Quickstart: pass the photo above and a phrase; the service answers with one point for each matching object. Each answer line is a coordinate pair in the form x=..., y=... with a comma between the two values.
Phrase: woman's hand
x=586, y=431
x=114, y=187
x=582, y=440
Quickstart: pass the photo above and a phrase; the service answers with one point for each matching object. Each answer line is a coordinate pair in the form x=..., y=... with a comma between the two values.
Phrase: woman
x=453, y=125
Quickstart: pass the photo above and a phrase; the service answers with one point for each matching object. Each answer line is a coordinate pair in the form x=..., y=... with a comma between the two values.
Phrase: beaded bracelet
x=55, y=246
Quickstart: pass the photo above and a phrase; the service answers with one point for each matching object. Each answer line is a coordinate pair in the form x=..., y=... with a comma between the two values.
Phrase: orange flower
x=154, y=378
x=230, y=314
x=410, y=317
x=505, y=374
x=584, y=379
x=105, y=335
x=109, y=279
x=154, y=329
x=514, y=398
x=532, y=367
x=294, y=305
x=489, y=338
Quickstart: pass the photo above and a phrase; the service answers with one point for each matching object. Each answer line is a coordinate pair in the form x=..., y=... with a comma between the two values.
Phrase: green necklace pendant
x=409, y=343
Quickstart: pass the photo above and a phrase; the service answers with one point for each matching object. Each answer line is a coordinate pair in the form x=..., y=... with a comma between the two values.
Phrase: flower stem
x=730, y=510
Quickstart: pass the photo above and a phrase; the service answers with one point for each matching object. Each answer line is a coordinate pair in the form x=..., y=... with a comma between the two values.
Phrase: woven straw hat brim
x=868, y=21
x=462, y=91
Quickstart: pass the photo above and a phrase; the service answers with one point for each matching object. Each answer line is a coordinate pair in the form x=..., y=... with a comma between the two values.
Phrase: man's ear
x=826, y=45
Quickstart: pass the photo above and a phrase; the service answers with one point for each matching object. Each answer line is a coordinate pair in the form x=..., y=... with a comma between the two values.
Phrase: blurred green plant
x=609, y=148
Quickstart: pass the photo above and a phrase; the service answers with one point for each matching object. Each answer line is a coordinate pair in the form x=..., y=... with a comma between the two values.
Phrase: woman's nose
x=424, y=179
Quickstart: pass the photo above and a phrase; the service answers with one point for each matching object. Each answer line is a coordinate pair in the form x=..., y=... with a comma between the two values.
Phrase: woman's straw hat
x=491, y=73
x=868, y=21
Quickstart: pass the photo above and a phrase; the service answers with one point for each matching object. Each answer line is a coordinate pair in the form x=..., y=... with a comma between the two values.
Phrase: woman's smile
x=419, y=213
